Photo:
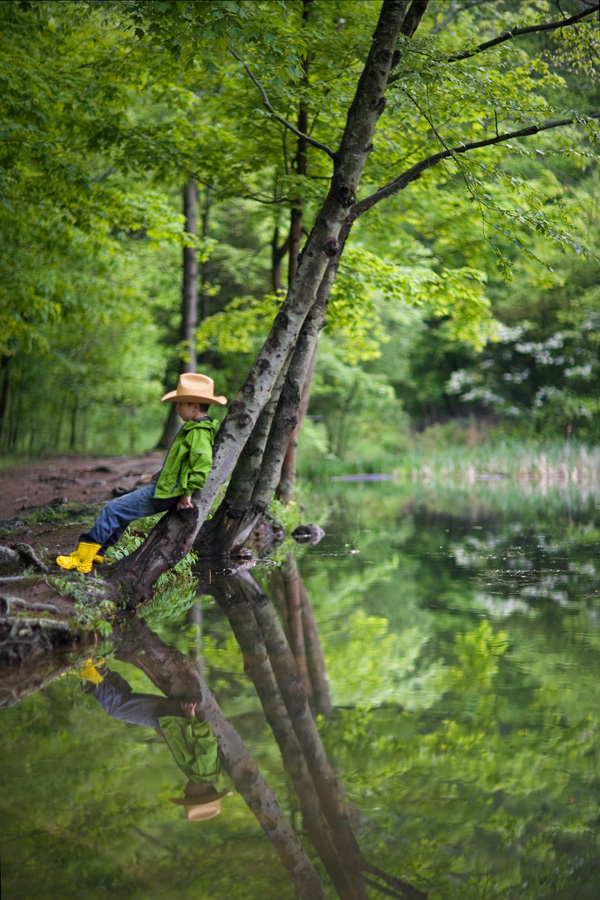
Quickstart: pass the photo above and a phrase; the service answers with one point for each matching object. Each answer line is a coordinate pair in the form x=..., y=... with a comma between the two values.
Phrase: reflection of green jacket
x=189, y=459
x=193, y=746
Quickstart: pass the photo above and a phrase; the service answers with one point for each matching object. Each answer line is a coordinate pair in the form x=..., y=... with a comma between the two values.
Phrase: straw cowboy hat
x=204, y=806
x=194, y=388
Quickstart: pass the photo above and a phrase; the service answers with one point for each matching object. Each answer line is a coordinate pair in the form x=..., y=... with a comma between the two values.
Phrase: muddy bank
x=45, y=502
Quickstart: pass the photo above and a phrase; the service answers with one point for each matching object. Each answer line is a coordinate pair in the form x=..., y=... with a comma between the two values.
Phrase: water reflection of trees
x=285, y=682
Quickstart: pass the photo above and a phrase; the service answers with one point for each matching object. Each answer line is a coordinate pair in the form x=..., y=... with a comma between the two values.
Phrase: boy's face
x=188, y=411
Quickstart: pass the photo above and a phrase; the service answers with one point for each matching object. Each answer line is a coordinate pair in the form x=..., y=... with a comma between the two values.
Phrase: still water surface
x=449, y=643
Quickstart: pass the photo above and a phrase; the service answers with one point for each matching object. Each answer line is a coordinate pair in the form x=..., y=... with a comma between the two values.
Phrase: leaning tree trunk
x=141, y=569
x=189, y=309
x=235, y=518
x=285, y=488
x=257, y=472
x=287, y=481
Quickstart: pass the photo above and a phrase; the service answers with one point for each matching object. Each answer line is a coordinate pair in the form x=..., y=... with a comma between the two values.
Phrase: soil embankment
x=34, y=494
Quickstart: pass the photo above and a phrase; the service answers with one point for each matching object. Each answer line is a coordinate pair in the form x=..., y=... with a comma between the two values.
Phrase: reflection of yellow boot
x=89, y=671
x=80, y=559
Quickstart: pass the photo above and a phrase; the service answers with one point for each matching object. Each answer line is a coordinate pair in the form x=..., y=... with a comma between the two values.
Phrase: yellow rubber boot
x=80, y=559
x=75, y=555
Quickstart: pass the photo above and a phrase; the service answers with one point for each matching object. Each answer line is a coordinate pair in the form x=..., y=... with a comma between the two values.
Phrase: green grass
x=447, y=454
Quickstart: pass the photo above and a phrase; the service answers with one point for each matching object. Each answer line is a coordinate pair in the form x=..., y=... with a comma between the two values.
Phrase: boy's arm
x=196, y=467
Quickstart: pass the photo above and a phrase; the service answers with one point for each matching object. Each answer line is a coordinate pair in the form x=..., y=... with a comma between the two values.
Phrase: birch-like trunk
x=139, y=571
x=189, y=308
x=258, y=470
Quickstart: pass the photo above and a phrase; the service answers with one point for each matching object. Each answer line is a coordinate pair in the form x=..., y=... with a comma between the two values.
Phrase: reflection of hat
x=194, y=388
x=201, y=801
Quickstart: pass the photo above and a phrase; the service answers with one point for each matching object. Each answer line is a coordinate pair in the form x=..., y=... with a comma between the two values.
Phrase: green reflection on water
x=461, y=644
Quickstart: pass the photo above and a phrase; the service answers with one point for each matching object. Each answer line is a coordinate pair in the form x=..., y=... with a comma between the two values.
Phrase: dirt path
x=71, y=479
x=59, y=482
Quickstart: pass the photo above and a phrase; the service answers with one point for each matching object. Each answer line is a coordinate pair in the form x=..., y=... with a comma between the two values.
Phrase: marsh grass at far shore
x=436, y=456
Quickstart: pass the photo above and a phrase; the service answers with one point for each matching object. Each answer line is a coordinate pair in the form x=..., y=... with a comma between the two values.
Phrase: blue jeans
x=118, y=513
x=115, y=696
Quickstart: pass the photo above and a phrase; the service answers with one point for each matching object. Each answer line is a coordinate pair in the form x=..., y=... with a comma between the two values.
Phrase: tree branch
x=529, y=29
x=276, y=115
x=398, y=184
x=509, y=35
x=402, y=888
x=413, y=17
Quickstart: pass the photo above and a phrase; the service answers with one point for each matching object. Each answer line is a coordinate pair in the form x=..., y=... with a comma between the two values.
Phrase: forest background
x=141, y=144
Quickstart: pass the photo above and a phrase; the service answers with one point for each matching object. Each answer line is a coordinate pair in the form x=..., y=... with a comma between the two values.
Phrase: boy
x=184, y=471
x=189, y=739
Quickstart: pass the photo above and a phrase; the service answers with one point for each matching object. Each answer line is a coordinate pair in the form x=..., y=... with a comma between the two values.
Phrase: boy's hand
x=185, y=502
x=155, y=477
x=188, y=709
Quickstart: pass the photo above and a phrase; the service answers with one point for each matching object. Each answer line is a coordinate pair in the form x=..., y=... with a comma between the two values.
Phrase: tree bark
x=236, y=516
x=287, y=482
x=285, y=490
x=258, y=469
x=277, y=253
x=204, y=293
x=189, y=305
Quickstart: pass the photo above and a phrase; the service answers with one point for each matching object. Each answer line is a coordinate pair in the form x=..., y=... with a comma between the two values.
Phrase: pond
x=445, y=644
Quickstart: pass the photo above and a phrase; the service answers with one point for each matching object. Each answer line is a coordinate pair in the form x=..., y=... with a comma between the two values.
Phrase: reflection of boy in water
x=190, y=740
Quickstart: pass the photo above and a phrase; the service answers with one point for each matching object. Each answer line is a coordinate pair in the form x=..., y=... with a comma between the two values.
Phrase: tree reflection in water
x=281, y=685
x=290, y=680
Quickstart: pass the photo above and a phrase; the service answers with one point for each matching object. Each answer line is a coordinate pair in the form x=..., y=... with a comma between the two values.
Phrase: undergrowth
x=93, y=609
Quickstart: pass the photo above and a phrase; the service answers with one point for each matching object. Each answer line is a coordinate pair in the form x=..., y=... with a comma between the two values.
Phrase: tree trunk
x=189, y=309
x=204, y=293
x=258, y=469
x=323, y=244
x=287, y=482
x=189, y=305
x=73, y=429
x=5, y=373
x=277, y=253
x=236, y=516
x=285, y=489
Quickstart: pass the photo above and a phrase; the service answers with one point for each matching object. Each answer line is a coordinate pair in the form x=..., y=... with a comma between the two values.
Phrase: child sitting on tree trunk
x=184, y=471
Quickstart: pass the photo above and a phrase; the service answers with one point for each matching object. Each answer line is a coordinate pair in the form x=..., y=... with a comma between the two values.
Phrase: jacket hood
x=208, y=424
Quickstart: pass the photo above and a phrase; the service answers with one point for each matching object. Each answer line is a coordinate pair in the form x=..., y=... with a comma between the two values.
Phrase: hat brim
x=201, y=801
x=174, y=397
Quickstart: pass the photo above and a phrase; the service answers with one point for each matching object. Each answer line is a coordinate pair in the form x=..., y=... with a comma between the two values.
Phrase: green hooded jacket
x=189, y=459
x=193, y=746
